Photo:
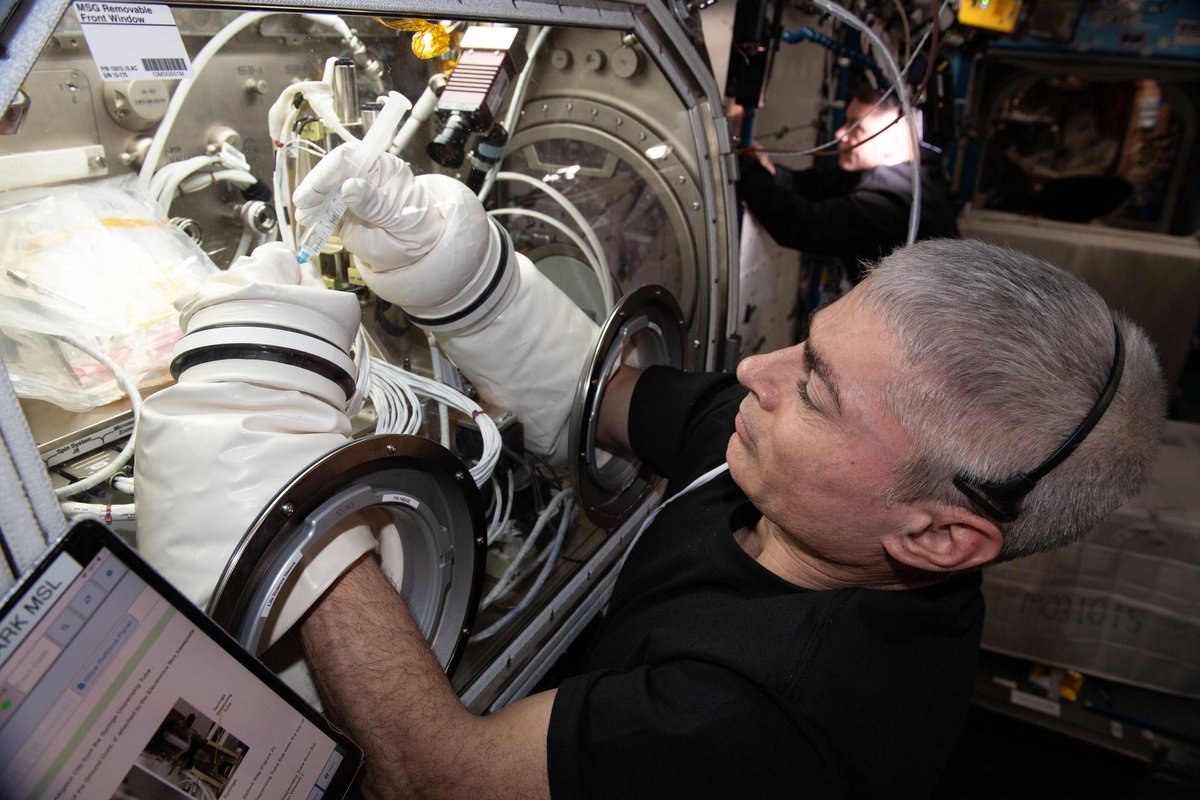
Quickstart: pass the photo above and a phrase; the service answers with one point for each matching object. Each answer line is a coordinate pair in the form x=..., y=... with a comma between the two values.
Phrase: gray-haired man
x=806, y=622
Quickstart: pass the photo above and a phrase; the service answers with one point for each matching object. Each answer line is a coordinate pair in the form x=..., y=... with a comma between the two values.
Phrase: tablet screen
x=112, y=684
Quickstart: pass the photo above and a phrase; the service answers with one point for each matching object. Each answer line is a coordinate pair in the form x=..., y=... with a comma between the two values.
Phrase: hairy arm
x=379, y=679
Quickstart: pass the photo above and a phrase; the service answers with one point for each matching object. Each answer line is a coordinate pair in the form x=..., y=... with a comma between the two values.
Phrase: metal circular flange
x=648, y=322
x=429, y=495
x=621, y=135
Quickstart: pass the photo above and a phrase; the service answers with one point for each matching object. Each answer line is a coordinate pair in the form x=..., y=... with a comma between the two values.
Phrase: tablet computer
x=113, y=684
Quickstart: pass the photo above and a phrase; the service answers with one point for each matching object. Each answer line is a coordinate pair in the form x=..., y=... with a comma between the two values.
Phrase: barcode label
x=164, y=64
x=129, y=42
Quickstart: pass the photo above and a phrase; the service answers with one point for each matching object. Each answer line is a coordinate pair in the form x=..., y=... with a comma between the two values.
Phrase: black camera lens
x=448, y=148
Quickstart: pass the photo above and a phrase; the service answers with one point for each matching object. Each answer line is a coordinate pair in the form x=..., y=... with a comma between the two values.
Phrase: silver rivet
x=391, y=449
x=570, y=106
x=287, y=509
x=595, y=111
x=681, y=179
x=695, y=205
x=620, y=121
x=459, y=475
x=642, y=137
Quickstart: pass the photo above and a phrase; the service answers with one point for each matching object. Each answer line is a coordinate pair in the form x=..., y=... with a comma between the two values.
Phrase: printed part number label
x=130, y=41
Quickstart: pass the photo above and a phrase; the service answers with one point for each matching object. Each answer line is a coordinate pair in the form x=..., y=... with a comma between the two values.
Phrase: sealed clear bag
x=98, y=264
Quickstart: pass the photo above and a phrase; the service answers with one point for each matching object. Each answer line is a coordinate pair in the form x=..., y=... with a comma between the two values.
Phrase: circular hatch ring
x=647, y=325
x=429, y=498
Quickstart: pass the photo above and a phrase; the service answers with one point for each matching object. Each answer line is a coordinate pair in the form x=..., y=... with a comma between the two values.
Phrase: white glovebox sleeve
x=518, y=337
x=215, y=447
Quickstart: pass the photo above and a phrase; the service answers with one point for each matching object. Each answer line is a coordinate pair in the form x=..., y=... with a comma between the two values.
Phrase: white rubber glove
x=389, y=220
x=426, y=244
x=214, y=448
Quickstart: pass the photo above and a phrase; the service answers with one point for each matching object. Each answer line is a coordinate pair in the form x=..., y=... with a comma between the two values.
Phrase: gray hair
x=1005, y=355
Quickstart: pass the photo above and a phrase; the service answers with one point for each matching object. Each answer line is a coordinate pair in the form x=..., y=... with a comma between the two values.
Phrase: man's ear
x=952, y=539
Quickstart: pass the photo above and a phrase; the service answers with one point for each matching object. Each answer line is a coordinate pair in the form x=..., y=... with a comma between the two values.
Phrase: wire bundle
x=200, y=172
x=394, y=393
x=562, y=503
x=397, y=408
x=107, y=512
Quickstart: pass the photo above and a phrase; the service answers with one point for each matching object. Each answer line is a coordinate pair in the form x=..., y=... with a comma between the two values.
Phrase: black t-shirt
x=859, y=216
x=712, y=677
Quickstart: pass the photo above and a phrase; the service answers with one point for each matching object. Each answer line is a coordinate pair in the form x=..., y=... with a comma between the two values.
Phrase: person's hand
x=735, y=113
x=756, y=149
x=389, y=220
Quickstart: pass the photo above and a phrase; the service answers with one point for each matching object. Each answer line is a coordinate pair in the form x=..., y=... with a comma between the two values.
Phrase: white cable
x=493, y=529
x=358, y=50
x=283, y=198
x=580, y=222
x=508, y=507
x=397, y=408
x=362, y=363
x=502, y=511
x=202, y=59
x=123, y=483
x=204, y=180
x=243, y=245
x=172, y=174
x=489, y=433
x=914, y=213
x=421, y=112
x=107, y=512
x=210, y=49
x=304, y=146
x=514, y=105
x=522, y=84
x=597, y=268
x=135, y=404
x=196, y=182
x=550, y=555
x=715, y=472
x=883, y=98
x=506, y=579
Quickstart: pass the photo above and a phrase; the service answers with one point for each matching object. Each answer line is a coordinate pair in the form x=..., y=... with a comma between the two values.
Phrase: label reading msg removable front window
x=130, y=40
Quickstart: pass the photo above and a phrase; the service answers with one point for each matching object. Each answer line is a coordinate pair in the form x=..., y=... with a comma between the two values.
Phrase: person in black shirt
x=859, y=211
x=802, y=618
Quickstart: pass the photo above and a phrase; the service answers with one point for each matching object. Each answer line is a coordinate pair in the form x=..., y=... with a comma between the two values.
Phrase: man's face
x=813, y=448
x=890, y=147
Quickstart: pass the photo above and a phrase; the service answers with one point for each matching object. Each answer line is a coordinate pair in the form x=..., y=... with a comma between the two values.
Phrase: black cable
x=934, y=32
x=8, y=556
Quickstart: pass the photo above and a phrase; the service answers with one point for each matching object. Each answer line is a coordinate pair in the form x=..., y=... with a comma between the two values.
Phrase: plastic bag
x=96, y=263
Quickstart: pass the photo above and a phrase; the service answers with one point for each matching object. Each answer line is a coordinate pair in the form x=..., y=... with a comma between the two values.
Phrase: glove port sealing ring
x=645, y=324
x=430, y=497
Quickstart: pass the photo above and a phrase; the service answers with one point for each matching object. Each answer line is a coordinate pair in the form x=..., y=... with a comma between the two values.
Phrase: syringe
x=358, y=161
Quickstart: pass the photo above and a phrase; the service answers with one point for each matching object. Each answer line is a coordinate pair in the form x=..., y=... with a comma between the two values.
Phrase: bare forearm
x=612, y=429
x=378, y=677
